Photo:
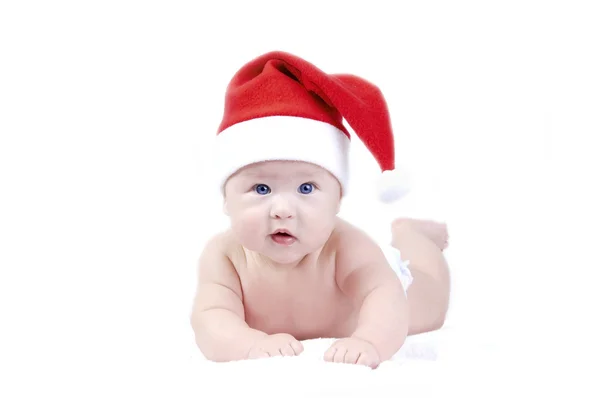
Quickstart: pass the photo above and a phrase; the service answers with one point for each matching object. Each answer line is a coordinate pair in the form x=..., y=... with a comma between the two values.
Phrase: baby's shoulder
x=348, y=235
x=217, y=261
x=353, y=245
x=224, y=244
x=216, y=242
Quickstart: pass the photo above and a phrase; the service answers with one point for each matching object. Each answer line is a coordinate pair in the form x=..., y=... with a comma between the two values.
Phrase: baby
x=289, y=269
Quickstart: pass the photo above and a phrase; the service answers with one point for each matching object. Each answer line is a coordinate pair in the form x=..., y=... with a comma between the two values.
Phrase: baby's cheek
x=247, y=229
x=322, y=225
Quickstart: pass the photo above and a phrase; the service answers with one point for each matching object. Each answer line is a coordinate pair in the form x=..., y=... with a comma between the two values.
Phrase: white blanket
x=438, y=364
x=425, y=366
x=308, y=375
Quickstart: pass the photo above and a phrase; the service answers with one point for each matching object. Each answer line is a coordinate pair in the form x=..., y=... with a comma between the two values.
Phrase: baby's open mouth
x=283, y=238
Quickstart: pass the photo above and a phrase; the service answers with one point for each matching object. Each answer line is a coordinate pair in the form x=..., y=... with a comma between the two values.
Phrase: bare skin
x=260, y=295
x=436, y=232
x=422, y=242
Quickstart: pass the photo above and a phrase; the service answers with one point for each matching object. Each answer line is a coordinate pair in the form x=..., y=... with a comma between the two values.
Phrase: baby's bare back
x=304, y=301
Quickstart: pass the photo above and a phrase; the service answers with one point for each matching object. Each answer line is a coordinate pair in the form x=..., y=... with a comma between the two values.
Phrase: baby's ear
x=339, y=204
x=225, y=211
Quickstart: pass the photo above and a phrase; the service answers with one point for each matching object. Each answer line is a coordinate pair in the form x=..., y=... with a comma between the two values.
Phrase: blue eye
x=262, y=189
x=306, y=188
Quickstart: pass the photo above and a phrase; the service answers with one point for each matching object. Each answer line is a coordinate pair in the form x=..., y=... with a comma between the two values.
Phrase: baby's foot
x=436, y=231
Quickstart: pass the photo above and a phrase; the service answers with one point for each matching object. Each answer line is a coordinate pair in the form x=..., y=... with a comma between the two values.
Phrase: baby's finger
x=297, y=347
x=351, y=357
x=340, y=354
x=366, y=360
x=363, y=359
x=274, y=352
x=328, y=357
x=287, y=351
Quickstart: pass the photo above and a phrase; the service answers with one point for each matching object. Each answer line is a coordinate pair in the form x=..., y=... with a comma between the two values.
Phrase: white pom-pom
x=393, y=185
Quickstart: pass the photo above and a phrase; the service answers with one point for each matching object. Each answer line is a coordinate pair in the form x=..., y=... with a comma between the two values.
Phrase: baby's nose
x=282, y=208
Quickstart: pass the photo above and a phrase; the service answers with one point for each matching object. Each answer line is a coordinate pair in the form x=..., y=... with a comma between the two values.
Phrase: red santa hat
x=281, y=107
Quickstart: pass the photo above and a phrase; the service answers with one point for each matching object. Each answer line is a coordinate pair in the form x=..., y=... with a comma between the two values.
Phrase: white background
x=107, y=115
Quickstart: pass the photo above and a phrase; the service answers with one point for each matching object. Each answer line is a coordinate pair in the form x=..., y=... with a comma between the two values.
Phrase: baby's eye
x=306, y=188
x=262, y=189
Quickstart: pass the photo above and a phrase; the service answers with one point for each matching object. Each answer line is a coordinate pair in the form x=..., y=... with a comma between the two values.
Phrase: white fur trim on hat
x=393, y=185
x=281, y=138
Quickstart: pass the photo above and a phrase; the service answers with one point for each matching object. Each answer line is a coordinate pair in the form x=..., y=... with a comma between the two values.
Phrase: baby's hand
x=353, y=350
x=281, y=344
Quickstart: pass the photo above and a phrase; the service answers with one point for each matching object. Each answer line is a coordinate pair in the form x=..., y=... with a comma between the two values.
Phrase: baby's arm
x=217, y=318
x=363, y=273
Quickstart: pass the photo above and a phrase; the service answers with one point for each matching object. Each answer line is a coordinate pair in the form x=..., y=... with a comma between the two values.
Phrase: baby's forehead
x=281, y=169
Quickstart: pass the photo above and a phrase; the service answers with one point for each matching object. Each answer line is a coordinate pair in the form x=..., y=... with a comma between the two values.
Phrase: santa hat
x=281, y=107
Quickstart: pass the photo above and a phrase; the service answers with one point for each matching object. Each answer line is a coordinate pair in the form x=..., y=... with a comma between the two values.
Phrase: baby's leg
x=421, y=243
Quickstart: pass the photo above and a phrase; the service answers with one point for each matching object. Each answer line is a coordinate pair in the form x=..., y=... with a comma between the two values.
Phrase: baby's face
x=299, y=197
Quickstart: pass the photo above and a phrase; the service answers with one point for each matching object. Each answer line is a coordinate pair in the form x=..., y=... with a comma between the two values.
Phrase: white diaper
x=400, y=266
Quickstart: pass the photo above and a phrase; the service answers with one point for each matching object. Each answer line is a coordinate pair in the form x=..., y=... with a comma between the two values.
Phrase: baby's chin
x=284, y=253
x=285, y=257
